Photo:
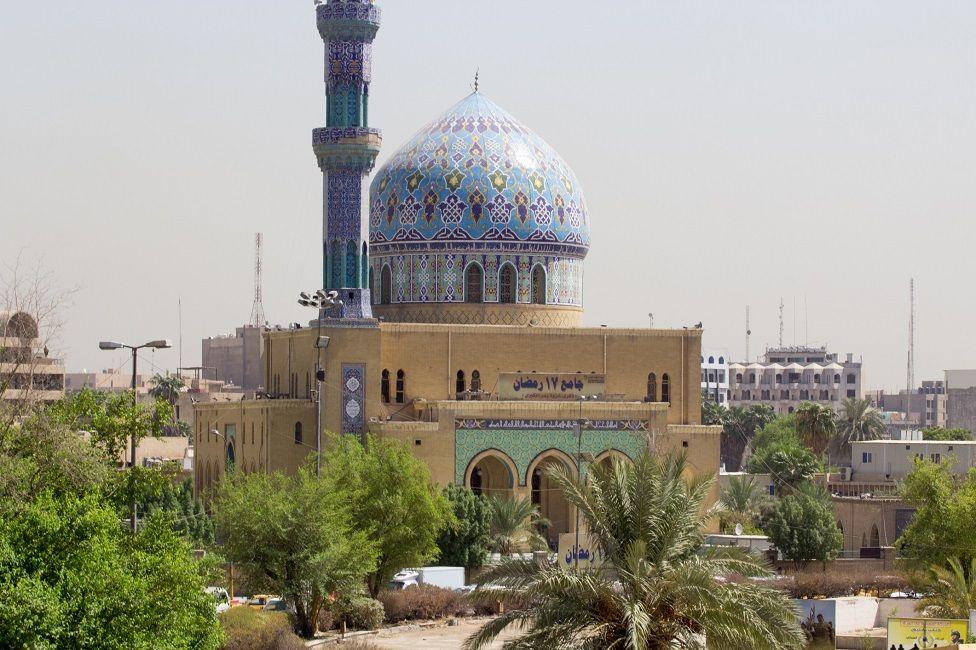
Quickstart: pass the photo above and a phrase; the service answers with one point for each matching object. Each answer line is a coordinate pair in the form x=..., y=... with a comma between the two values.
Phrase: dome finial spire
x=477, y=74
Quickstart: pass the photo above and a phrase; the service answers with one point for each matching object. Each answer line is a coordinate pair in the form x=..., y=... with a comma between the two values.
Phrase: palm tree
x=741, y=500
x=858, y=421
x=712, y=413
x=951, y=592
x=167, y=388
x=815, y=424
x=656, y=588
x=515, y=526
x=734, y=438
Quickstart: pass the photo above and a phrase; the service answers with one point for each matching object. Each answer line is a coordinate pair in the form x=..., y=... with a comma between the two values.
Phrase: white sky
x=732, y=153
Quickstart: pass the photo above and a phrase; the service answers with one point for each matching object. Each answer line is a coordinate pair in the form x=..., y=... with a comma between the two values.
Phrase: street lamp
x=160, y=344
x=319, y=301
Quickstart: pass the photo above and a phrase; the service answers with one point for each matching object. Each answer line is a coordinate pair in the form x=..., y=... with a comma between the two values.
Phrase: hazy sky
x=732, y=153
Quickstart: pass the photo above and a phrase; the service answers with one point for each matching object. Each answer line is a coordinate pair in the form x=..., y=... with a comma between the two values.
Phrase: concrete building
x=108, y=380
x=27, y=372
x=458, y=329
x=787, y=377
x=961, y=395
x=715, y=376
x=237, y=359
x=870, y=523
x=892, y=460
x=922, y=408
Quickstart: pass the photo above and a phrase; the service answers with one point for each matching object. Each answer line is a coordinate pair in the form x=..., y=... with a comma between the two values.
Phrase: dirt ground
x=441, y=637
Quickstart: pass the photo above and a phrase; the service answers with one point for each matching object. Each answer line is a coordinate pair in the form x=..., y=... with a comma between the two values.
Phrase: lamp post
x=320, y=300
x=115, y=345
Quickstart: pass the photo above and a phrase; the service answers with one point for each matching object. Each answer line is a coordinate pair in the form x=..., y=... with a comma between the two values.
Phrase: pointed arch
x=386, y=285
x=666, y=388
x=401, y=385
x=538, y=285
x=875, y=536
x=352, y=264
x=474, y=283
x=385, y=386
x=651, y=387
x=475, y=381
x=335, y=252
x=459, y=386
x=507, y=284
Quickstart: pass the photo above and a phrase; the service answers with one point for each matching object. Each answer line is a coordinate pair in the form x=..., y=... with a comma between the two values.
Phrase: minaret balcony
x=347, y=147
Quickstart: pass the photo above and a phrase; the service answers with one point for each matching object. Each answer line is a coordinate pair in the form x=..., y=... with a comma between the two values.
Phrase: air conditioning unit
x=845, y=474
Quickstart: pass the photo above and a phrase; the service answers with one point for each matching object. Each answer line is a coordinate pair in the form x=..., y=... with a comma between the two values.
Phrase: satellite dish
x=738, y=529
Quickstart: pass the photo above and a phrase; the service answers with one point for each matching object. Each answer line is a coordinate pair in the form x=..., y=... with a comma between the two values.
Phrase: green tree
x=187, y=516
x=815, y=425
x=393, y=500
x=294, y=535
x=950, y=591
x=944, y=524
x=712, y=413
x=780, y=431
x=466, y=543
x=167, y=388
x=858, y=421
x=741, y=501
x=802, y=526
x=942, y=434
x=739, y=426
x=71, y=577
x=657, y=587
x=789, y=464
x=516, y=525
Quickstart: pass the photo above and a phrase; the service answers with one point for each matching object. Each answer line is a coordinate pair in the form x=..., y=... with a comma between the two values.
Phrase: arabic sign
x=549, y=425
x=818, y=620
x=542, y=386
x=926, y=632
x=588, y=553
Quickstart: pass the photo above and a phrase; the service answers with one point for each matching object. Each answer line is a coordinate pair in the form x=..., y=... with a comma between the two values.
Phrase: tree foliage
x=941, y=434
x=950, y=591
x=294, y=536
x=186, y=514
x=787, y=463
x=815, y=425
x=741, y=501
x=70, y=576
x=656, y=588
x=857, y=421
x=465, y=543
x=944, y=524
x=516, y=525
x=739, y=426
x=802, y=526
x=393, y=500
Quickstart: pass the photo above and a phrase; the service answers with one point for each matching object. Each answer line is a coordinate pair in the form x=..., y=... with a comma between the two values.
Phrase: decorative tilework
x=353, y=398
x=524, y=444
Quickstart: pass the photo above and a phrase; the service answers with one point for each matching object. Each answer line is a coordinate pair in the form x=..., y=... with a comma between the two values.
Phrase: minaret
x=346, y=149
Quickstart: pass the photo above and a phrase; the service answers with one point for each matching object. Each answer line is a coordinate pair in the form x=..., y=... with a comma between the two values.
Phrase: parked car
x=221, y=598
x=276, y=605
x=258, y=601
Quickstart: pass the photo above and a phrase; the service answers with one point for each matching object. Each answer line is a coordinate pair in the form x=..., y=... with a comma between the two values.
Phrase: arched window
x=298, y=433
x=651, y=388
x=507, y=284
x=721, y=361
x=711, y=360
x=851, y=378
x=386, y=285
x=352, y=266
x=385, y=386
x=752, y=377
x=665, y=388
x=779, y=378
x=816, y=378
x=537, y=487
x=476, y=481
x=231, y=457
x=738, y=377
x=400, y=385
x=474, y=280
x=875, y=537
x=836, y=379
x=475, y=381
x=538, y=285
x=459, y=385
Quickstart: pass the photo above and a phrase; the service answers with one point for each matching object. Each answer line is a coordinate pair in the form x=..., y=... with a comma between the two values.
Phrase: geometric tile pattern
x=353, y=398
x=523, y=445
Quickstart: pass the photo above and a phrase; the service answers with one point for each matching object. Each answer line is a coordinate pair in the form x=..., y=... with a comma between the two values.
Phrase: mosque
x=455, y=325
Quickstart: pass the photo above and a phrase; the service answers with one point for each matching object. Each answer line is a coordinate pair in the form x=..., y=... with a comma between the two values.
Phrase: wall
x=236, y=359
x=858, y=518
x=895, y=460
x=961, y=410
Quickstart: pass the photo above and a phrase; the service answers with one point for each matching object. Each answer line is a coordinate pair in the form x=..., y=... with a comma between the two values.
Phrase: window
x=816, y=379
x=866, y=457
x=711, y=360
x=538, y=285
x=400, y=384
x=476, y=481
x=851, y=378
x=298, y=433
x=473, y=283
x=851, y=393
x=779, y=378
x=651, y=388
x=385, y=387
x=459, y=385
x=386, y=285
x=836, y=379
x=721, y=361
x=475, y=381
x=738, y=377
x=536, y=487
x=936, y=458
x=507, y=284
x=752, y=378
x=665, y=388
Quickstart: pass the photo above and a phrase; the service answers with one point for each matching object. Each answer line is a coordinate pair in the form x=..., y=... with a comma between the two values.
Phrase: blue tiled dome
x=476, y=174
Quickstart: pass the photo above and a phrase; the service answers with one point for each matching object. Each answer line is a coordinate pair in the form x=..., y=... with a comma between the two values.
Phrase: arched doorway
x=548, y=496
x=491, y=474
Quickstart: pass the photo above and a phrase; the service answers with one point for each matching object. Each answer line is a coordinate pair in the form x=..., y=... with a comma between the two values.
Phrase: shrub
x=838, y=581
x=251, y=629
x=359, y=612
x=326, y=619
x=421, y=602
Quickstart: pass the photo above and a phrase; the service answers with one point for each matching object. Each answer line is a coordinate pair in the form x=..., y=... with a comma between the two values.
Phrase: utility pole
x=782, y=305
x=257, y=309
x=911, y=337
x=748, y=334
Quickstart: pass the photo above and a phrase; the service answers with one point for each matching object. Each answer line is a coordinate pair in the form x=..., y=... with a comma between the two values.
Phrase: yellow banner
x=925, y=633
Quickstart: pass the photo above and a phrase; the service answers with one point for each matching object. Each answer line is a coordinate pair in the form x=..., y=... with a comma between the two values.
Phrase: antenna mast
x=257, y=310
x=782, y=305
x=748, y=333
x=911, y=337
